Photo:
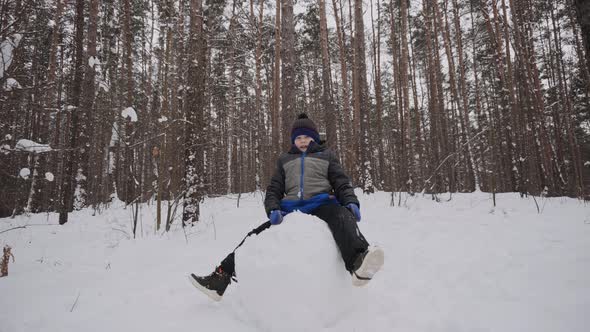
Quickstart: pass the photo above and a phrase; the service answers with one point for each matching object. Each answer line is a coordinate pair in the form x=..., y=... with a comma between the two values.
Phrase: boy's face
x=302, y=142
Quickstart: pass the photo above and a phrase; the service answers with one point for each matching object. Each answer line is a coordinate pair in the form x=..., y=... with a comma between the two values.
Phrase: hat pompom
x=302, y=116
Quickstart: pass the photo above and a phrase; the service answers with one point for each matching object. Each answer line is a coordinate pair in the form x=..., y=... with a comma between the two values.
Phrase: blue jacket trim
x=302, y=175
x=307, y=205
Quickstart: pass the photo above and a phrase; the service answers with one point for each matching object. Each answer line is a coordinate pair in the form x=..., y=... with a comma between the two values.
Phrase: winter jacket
x=303, y=180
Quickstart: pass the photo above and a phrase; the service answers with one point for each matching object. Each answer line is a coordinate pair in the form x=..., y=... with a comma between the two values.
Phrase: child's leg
x=346, y=233
x=228, y=264
x=214, y=285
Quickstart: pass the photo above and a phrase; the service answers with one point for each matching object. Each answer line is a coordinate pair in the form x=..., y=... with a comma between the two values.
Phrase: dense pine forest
x=171, y=101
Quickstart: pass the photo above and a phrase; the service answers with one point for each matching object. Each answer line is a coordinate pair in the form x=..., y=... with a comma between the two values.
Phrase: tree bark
x=361, y=103
x=327, y=97
x=288, y=75
x=193, y=178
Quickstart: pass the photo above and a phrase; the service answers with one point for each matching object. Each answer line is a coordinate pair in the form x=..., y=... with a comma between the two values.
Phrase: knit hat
x=304, y=126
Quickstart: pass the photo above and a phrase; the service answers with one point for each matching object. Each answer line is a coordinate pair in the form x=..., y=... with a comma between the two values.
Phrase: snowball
x=49, y=176
x=31, y=146
x=129, y=112
x=24, y=173
x=294, y=263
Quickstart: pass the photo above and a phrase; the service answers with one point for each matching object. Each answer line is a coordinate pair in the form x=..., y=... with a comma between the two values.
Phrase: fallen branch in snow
x=25, y=226
x=74, y=305
x=13, y=228
x=537, y=204
x=122, y=231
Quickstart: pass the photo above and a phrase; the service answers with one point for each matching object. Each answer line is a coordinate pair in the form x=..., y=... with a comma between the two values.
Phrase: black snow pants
x=343, y=226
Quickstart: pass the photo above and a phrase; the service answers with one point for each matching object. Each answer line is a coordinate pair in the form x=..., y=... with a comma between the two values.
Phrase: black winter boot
x=213, y=285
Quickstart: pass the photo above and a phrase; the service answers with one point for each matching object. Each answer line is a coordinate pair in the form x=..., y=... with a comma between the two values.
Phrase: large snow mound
x=292, y=277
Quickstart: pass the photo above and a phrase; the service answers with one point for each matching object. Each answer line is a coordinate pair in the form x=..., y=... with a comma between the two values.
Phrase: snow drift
x=457, y=265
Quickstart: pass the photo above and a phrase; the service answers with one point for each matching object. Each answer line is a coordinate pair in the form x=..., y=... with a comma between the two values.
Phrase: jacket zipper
x=302, y=173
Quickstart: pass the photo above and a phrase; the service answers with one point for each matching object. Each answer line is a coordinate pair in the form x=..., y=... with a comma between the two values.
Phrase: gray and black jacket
x=304, y=175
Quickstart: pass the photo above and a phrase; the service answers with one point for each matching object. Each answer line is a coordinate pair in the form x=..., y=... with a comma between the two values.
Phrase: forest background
x=176, y=100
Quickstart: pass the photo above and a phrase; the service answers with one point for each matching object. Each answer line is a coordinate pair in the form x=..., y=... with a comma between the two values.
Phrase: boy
x=305, y=179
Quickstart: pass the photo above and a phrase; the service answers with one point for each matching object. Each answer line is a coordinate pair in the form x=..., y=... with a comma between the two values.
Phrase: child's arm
x=341, y=182
x=275, y=190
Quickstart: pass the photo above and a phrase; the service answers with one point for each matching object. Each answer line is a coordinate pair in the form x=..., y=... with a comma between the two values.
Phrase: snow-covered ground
x=458, y=265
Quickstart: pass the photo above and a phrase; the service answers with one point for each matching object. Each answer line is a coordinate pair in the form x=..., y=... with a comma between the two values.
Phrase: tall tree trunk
x=127, y=174
x=71, y=163
x=418, y=159
x=361, y=103
x=406, y=127
x=259, y=121
x=327, y=97
x=288, y=75
x=380, y=170
x=346, y=130
x=583, y=11
x=87, y=102
x=276, y=105
x=193, y=178
x=574, y=149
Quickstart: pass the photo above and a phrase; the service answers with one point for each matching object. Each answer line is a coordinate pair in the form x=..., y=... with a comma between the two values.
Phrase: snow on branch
x=11, y=84
x=26, y=145
x=129, y=112
x=6, y=50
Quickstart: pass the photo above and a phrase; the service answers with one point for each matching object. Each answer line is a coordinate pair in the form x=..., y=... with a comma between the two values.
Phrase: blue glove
x=276, y=217
x=354, y=209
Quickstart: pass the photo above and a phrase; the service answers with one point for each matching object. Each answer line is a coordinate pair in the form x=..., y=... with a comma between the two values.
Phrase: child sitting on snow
x=310, y=179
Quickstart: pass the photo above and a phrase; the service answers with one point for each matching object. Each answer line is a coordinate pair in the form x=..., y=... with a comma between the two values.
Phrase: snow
x=129, y=112
x=93, y=61
x=163, y=119
x=104, y=86
x=11, y=84
x=27, y=145
x=24, y=173
x=457, y=265
x=6, y=49
x=49, y=176
x=114, y=134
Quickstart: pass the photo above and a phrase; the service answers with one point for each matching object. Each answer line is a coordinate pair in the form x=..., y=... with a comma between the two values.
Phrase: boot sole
x=371, y=265
x=211, y=293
